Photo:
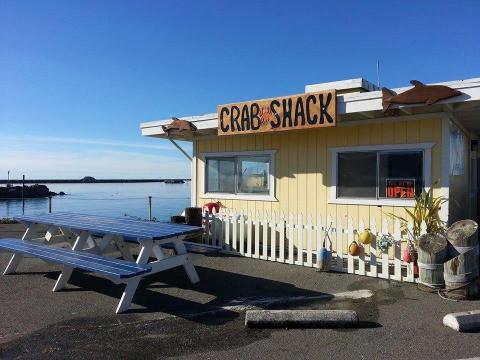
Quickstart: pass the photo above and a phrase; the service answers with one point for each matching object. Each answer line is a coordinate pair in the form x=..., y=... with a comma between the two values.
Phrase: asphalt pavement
x=170, y=317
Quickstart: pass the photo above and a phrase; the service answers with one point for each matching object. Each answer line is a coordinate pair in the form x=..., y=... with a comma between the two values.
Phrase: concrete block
x=463, y=321
x=301, y=318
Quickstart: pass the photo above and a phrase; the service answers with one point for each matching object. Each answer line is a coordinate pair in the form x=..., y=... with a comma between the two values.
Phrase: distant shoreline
x=97, y=181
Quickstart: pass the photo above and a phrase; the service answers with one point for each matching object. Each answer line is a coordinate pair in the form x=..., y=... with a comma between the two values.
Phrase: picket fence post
x=265, y=236
x=385, y=264
x=397, y=236
x=291, y=227
x=350, y=236
x=249, y=235
x=373, y=249
x=281, y=257
x=309, y=262
x=257, y=235
x=241, y=235
x=273, y=234
x=361, y=256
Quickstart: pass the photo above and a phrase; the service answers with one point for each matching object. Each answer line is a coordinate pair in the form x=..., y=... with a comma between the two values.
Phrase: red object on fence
x=212, y=205
x=407, y=255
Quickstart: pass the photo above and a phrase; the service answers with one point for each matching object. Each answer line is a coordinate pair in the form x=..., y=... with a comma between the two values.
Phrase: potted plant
x=426, y=210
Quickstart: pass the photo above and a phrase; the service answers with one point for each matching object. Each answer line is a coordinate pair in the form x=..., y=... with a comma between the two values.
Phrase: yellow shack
x=343, y=150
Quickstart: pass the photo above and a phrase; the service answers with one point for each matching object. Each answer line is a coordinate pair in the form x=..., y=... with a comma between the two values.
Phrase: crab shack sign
x=303, y=111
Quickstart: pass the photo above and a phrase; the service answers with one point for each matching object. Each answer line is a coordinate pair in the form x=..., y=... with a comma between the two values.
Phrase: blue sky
x=77, y=77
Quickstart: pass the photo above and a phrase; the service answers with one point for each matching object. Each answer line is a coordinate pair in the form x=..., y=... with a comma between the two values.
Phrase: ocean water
x=108, y=199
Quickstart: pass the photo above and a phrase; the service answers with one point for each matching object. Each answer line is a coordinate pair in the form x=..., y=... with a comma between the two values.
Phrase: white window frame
x=255, y=197
x=426, y=148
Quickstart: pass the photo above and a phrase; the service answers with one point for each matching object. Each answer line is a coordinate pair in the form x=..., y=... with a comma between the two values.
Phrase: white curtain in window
x=457, y=153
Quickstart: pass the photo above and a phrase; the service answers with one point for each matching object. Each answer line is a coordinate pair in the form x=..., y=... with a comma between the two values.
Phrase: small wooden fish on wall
x=178, y=126
x=419, y=94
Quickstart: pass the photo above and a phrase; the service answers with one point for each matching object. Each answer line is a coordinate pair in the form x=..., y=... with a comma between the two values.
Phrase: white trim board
x=382, y=147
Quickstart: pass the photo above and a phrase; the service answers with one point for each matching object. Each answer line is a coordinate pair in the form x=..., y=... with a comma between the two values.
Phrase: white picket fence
x=296, y=241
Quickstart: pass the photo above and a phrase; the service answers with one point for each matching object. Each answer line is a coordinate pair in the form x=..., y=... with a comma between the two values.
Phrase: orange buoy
x=354, y=249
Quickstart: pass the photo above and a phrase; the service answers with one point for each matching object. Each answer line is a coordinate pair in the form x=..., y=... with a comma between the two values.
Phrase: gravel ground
x=172, y=318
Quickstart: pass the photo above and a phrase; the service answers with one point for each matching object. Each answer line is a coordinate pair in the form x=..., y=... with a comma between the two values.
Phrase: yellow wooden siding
x=303, y=166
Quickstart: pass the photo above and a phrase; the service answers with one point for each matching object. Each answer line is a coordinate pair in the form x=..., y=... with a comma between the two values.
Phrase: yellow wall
x=303, y=165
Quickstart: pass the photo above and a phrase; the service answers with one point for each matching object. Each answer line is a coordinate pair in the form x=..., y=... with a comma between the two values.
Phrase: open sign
x=401, y=188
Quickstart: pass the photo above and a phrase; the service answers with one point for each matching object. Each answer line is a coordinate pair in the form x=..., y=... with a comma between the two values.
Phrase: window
x=397, y=166
x=357, y=174
x=383, y=175
x=221, y=175
x=247, y=175
x=253, y=174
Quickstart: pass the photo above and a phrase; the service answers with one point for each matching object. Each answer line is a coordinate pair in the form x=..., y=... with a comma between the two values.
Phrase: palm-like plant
x=426, y=209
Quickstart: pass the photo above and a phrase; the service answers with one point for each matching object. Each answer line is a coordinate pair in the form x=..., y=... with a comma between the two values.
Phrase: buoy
x=407, y=255
x=354, y=249
x=324, y=258
x=365, y=237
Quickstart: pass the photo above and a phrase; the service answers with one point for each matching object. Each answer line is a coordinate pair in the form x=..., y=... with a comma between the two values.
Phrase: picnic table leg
x=69, y=236
x=122, y=246
x=132, y=284
x=188, y=266
x=67, y=270
x=104, y=242
x=29, y=234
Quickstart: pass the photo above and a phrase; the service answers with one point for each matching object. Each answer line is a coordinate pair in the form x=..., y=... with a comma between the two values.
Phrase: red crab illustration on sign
x=265, y=115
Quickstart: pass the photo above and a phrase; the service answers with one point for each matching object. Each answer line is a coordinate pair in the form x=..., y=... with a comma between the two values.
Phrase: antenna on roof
x=378, y=73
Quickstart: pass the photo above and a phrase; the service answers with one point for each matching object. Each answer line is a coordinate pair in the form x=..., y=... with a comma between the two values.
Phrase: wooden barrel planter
x=462, y=270
x=432, y=253
x=461, y=276
x=461, y=237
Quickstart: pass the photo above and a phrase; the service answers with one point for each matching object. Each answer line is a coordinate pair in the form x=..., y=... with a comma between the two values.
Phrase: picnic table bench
x=92, y=236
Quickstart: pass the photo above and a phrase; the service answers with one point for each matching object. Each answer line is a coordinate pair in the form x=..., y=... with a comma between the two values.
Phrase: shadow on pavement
x=193, y=299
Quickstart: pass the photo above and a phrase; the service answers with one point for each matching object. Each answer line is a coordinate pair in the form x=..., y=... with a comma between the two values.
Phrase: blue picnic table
x=92, y=235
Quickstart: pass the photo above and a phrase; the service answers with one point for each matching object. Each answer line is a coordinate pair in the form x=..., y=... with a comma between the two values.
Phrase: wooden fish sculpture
x=419, y=94
x=178, y=126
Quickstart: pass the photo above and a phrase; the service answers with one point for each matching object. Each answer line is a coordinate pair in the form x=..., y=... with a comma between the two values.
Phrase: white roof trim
x=346, y=104
x=343, y=85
